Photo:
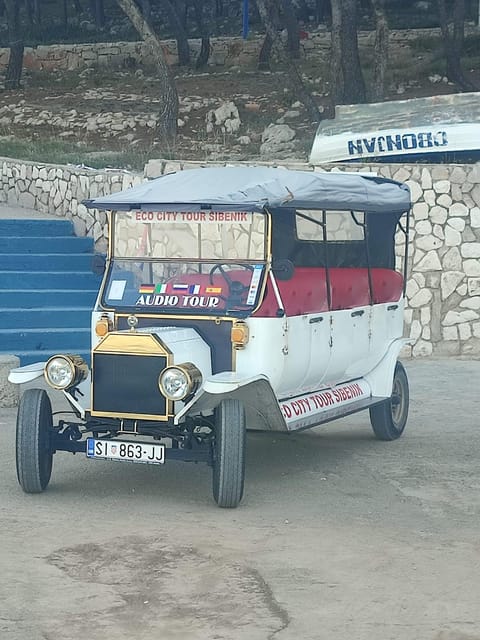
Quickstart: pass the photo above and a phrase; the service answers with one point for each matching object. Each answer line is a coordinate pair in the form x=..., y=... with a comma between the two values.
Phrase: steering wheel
x=236, y=289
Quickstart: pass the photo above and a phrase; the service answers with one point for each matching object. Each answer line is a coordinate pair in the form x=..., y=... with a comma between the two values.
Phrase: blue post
x=245, y=20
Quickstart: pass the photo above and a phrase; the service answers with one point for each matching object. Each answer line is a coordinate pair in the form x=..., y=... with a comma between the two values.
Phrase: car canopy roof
x=254, y=188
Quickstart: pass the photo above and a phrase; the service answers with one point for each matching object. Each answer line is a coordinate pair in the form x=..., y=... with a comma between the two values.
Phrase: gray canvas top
x=253, y=188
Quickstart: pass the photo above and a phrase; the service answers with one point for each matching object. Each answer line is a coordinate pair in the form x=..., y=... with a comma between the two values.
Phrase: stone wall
x=224, y=51
x=443, y=289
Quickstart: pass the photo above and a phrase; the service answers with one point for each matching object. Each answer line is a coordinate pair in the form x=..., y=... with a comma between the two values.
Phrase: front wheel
x=34, y=452
x=229, y=453
x=388, y=419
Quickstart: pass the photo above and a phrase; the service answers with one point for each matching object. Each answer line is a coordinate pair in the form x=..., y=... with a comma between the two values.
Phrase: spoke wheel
x=389, y=418
x=229, y=453
x=34, y=454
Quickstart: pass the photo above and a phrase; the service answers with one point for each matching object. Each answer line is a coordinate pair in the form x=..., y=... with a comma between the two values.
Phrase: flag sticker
x=213, y=289
x=161, y=288
x=147, y=288
x=194, y=289
x=180, y=287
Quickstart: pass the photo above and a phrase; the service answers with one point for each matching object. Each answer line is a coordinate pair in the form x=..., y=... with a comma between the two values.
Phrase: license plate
x=143, y=452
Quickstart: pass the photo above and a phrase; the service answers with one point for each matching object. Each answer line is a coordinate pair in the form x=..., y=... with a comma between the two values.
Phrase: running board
x=327, y=404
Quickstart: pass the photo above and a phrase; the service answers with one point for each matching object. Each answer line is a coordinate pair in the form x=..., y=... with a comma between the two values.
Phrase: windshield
x=187, y=261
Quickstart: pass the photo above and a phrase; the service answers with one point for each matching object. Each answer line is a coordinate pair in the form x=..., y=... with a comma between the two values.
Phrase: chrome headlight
x=179, y=381
x=65, y=371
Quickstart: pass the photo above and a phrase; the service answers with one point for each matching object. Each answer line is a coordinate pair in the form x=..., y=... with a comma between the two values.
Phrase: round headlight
x=59, y=372
x=62, y=372
x=178, y=382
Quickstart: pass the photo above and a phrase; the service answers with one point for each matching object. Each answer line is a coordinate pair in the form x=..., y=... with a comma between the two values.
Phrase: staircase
x=47, y=289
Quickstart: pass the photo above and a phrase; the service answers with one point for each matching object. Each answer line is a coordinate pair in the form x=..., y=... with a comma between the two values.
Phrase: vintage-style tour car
x=233, y=298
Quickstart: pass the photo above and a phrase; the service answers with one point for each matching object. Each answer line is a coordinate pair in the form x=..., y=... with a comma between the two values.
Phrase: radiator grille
x=126, y=385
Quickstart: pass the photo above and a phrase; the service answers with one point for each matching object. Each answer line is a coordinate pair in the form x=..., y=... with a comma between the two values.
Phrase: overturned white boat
x=435, y=129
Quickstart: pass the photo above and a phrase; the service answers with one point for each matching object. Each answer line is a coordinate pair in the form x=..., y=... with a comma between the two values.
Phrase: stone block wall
x=443, y=289
x=225, y=51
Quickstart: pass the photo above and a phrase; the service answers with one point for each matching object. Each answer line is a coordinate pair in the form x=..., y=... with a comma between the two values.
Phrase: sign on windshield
x=200, y=235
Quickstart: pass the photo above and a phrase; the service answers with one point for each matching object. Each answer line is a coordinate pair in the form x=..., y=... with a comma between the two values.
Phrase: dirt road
x=339, y=536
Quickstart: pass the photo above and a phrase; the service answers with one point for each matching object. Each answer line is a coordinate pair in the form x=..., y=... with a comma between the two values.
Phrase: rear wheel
x=34, y=452
x=389, y=418
x=229, y=453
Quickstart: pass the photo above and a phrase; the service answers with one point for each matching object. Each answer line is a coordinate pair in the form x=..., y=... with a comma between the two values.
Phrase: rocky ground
x=227, y=114
x=109, y=117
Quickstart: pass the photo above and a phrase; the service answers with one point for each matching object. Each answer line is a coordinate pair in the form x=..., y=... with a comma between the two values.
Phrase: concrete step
x=44, y=318
x=36, y=227
x=49, y=279
x=46, y=298
x=62, y=340
x=39, y=244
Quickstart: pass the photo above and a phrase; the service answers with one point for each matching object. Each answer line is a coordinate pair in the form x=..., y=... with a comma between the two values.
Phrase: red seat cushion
x=306, y=291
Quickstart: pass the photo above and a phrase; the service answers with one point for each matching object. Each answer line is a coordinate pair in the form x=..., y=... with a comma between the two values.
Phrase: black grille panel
x=128, y=384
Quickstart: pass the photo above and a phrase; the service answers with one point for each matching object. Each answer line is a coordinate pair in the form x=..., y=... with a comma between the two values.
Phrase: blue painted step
x=45, y=318
x=46, y=262
x=29, y=357
x=35, y=244
x=61, y=340
x=25, y=280
x=15, y=299
x=47, y=289
x=42, y=227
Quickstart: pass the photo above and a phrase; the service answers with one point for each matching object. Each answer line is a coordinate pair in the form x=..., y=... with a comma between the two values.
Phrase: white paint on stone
x=470, y=249
x=464, y=331
x=444, y=200
x=422, y=349
x=452, y=238
x=471, y=303
x=423, y=227
x=450, y=333
x=420, y=211
x=449, y=282
x=458, y=209
x=471, y=267
x=421, y=298
x=438, y=214
x=456, y=223
x=426, y=179
x=441, y=186
x=475, y=217
x=430, y=262
x=457, y=317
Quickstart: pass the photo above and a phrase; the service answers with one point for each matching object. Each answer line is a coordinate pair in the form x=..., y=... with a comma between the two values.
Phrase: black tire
x=229, y=453
x=389, y=418
x=34, y=453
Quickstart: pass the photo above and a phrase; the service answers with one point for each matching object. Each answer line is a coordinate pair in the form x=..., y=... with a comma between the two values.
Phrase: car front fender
x=261, y=405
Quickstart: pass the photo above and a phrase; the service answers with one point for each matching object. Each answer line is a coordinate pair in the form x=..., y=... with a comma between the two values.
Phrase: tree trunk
x=268, y=14
x=453, y=42
x=336, y=73
x=381, y=49
x=354, y=84
x=98, y=11
x=265, y=54
x=167, y=127
x=37, y=12
x=183, y=48
x=29, y=11
x=293, y=32
x=13, y=73
x=204, y=54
